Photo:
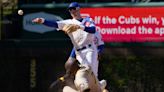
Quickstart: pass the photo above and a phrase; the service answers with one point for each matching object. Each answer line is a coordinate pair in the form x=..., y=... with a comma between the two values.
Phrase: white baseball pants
x=89, y=56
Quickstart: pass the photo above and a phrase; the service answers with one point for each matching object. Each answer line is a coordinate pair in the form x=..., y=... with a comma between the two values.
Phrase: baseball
x=20, y=12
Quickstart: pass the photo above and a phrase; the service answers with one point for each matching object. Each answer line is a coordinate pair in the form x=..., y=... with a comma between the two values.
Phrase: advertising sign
x=128, y=24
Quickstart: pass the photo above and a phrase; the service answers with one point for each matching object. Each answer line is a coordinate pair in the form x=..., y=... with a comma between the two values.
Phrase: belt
x=84, y=47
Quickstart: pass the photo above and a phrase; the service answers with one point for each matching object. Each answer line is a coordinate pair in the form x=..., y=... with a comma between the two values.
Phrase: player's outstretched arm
x=45, y=22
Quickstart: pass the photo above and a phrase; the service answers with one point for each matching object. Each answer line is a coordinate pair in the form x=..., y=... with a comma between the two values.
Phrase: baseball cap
x=73, y=5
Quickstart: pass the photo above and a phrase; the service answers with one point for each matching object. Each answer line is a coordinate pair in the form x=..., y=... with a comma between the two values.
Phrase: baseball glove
x=69, y=28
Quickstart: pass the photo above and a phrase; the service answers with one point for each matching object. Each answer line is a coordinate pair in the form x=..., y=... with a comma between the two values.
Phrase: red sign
x=128, y=24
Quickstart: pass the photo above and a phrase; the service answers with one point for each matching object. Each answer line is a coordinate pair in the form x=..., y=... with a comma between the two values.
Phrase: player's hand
x=38, y=20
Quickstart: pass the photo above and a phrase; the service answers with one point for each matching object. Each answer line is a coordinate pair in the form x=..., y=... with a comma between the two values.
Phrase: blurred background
x=33, y=56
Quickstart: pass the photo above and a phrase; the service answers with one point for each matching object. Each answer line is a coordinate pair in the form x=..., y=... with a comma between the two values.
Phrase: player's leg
x=71, y=66
x=93, y=60
x=88, y=57
x=91, y=57
x=81, y=78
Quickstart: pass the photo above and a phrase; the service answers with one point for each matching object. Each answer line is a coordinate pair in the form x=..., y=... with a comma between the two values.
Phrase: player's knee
x=71, y=65
x=71, y=62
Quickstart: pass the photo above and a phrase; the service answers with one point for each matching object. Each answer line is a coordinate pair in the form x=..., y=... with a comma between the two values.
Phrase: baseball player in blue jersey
x=82, y=34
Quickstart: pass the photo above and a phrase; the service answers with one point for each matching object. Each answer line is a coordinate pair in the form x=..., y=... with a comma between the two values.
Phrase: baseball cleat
x=103, y=84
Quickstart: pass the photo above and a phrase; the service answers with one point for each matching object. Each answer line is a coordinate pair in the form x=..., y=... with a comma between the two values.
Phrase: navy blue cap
x=73, y=4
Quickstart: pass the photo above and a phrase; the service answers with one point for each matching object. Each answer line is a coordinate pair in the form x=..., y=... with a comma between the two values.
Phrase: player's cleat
x=103, y=84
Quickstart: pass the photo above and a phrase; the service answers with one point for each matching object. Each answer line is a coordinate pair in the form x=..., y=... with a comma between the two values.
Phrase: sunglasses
x=72, y=8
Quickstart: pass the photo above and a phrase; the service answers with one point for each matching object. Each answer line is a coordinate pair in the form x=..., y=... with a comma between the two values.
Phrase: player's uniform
x=82, y=40
x=98, y=42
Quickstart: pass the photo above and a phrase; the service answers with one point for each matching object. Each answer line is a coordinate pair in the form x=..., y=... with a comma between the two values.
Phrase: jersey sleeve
x=62, y=23
x=51, y=23
x=88, y=22
x=89, y=25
